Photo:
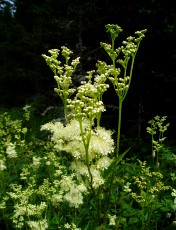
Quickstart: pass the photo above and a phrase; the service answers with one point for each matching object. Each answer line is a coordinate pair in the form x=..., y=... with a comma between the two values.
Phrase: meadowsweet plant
x=91, y=147
x=156, y=130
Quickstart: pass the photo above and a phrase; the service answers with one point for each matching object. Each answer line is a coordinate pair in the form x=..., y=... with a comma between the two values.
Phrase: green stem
x=119, y=127
x=86, y=143
x=65, y=109
x=98, y=119
x=113, y=60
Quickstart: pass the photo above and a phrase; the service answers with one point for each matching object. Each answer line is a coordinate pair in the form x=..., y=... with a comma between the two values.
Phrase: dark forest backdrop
x=29, y=28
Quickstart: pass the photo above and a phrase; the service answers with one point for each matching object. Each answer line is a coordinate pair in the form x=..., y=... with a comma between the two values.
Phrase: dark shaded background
x=29, y=28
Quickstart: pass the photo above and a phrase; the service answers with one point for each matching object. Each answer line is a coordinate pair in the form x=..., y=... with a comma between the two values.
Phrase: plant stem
x=119, y=127
x=65, y=109
x=86, y=147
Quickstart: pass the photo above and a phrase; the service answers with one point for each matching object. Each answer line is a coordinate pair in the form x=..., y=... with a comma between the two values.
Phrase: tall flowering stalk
x=62, y=73
x=157, y=127
x=121, y=83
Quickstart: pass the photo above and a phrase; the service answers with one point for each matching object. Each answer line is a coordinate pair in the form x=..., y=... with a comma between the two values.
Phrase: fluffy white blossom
x=36, y=161
x=97, y=179
x=127, y=188
x=66, y=183
x=79, y=168
x=35, y=225
x=101, y=142
x=10, y=150
x=74, y=197
x=56, y=198
x=103, y=163
x=112, y=220
x=2, y=165
x=29, y=209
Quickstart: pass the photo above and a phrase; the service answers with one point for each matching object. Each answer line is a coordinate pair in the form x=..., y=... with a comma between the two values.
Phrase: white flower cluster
x=68, y=138
x=36, y=161
x=127, y=187
x=22, y=210
x=35, y=225
x=112, y=220
x=69, y=191
x=2, y=163
x=10, y=150
x=71, y=226
x=74, y=196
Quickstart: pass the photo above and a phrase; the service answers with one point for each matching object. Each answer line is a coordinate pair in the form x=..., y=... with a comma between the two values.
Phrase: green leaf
x=133, y=220
x=115, y=163
x=120, y=157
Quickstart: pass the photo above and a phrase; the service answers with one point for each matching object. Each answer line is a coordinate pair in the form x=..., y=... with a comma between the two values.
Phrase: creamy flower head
x=103, y=163
x=97, y=179
x=10, y=150
x=79, y=168
x=66, y=183
x=56, y=199
x=112, y=220
x=74, y=197
x=36, y=161
x=2, y=165
x=35, y=225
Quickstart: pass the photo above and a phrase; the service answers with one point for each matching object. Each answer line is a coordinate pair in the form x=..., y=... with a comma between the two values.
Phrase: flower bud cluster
x=113, y=54
x=114, y=30
x=130, y=47
x=66, y=53
x=157, y=127
x=62, y=73
x=86, y=103
x=149, y=183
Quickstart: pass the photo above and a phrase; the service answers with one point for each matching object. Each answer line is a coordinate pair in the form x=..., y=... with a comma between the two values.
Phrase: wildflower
x=66, y=183
x=2, y=165
x=67, y=226
x=56, y=198
x=101, y=142
x=126, y=187
x=11, y=152
x=97, y=179
x=79, y=168
x=112, y=219
x=74, y=197
x=36, y=161
x=35, y=225
x=74, y=227
x=103, y=163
